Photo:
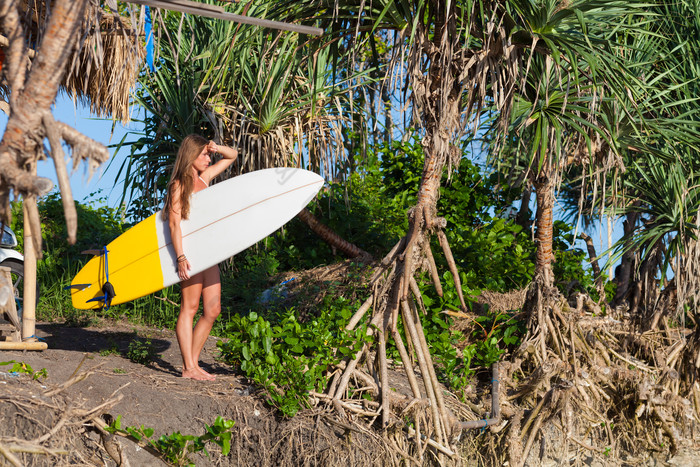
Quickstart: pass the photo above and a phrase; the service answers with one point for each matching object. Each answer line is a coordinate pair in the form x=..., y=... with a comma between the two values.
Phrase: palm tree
x=671, y=166
x=654, y=186
x=59, y=28
x=546, y=72
x=74, y=56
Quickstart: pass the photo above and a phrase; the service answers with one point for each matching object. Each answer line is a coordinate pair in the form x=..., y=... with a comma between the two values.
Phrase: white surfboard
x=225, y=219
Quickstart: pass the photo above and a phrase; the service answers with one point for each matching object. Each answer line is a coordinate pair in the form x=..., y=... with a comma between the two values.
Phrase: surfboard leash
x=107, y=288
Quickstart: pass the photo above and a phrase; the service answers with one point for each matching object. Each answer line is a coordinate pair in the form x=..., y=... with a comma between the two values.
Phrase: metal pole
x=214, y=11
x=495, y=405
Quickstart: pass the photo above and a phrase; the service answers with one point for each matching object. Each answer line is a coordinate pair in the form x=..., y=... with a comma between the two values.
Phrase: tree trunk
x=523, y=217
x=430, y=180
x=544, y=191
x=593, y=257
x=626, y=268
x=32, y=98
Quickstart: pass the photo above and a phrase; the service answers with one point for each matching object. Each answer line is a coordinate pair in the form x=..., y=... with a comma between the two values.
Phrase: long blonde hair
x=190, y=148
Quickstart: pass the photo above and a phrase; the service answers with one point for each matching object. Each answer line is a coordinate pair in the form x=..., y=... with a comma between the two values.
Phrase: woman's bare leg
x=191, y=293
x=211, y=298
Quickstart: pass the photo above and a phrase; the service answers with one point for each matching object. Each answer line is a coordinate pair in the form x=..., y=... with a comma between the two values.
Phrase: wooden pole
x=214, y=11
x=29, y=305
x=23, y=345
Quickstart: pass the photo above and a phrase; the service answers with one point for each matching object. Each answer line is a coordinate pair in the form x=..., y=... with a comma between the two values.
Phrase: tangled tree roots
x=44, y=427
x=423, y=422
x=588, y=386
x=41, y=426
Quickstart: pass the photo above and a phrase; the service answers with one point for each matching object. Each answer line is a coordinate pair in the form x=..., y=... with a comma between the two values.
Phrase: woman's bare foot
x=208, y=376
x=197, y=374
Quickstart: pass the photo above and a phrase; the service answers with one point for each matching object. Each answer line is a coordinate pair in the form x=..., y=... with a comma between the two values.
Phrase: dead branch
x=11, y=458
x=102, y=426
x=71, y=215
x=76, y=378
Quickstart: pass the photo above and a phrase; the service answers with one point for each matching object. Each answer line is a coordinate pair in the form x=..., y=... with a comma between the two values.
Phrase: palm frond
x=267, y=93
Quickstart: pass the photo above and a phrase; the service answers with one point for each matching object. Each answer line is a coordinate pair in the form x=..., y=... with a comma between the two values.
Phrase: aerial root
x=591, y=372
x=579, y=371
x=435, y=276
x=453, y=266
x=396, y=301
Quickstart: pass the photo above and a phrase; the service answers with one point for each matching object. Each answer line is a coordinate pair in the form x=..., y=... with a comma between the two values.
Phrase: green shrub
x=494, y=334
x=568, y=268
x=175, y=448
x=289, y=358
x=141, y=351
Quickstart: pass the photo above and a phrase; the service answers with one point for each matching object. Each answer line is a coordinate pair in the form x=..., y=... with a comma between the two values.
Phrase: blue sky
x=79, y=117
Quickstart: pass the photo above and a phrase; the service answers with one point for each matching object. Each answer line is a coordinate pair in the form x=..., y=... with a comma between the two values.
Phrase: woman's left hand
x=212, y=147
x=183, y=269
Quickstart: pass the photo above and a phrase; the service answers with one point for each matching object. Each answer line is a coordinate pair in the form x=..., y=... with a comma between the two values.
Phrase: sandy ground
x=153, y=395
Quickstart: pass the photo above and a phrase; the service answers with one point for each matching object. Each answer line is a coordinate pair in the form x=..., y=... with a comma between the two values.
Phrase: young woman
x=192, y=173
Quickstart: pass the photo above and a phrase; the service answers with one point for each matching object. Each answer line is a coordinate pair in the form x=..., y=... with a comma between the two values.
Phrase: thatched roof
x=106, y=69
x=109, y=55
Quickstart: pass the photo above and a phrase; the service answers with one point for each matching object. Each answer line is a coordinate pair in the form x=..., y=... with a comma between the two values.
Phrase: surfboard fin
x=92, y=252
